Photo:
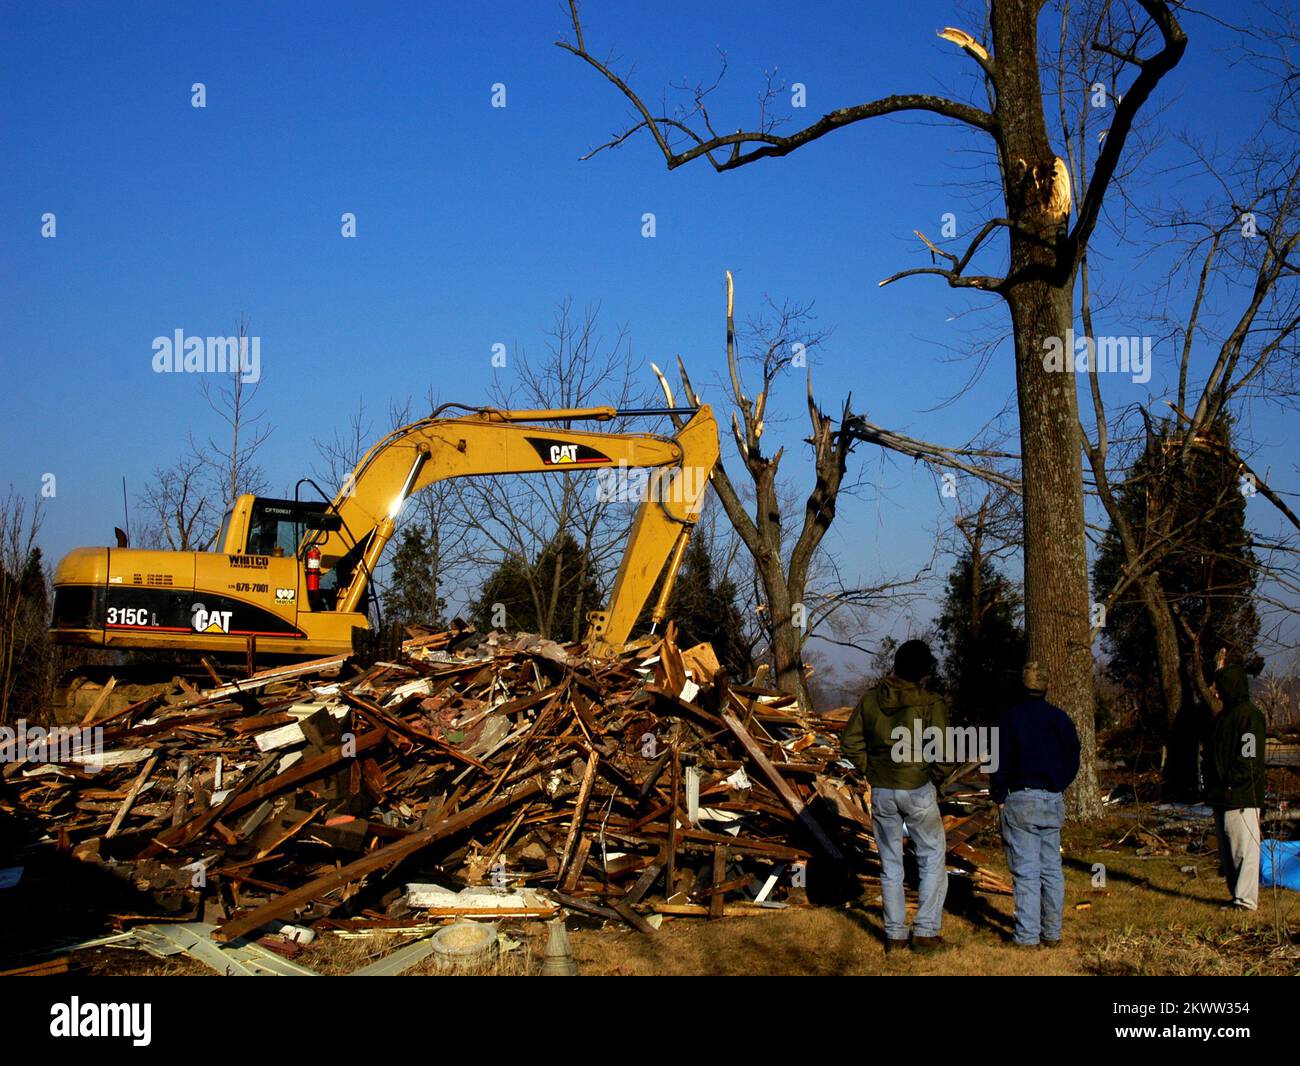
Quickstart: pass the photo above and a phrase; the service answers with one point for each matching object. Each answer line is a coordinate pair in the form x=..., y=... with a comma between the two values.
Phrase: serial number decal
x=129, y=616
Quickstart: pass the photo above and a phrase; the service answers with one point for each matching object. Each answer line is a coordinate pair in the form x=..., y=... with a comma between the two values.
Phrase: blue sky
x=473, y=222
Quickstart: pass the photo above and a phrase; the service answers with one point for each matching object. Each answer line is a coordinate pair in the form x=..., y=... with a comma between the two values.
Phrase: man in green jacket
x=891, y=738
x=1234, y=783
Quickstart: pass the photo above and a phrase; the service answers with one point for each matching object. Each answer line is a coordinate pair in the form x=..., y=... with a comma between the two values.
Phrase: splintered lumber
x=270, y=677
x=487, y=766
x=788, y=795
x=717, y=893
x=136, y=786
x=386, y=856
x=698, y=910
x=571, y=879
x=579, y=811
x=100, y=700
x=180, y=801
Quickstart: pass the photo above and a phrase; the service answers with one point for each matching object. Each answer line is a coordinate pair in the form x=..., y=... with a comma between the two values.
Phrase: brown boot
x=925, y=944
x=894, y=945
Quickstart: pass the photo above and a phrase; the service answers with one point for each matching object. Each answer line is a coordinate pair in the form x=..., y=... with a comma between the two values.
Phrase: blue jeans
x=919, y=809
x=1031, y=836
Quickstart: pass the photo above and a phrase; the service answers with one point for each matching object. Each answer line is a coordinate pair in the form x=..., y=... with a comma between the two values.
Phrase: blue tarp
x=1279, y=864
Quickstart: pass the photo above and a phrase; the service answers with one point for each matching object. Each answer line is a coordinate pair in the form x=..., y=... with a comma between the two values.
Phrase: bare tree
x=232, y=461
x=519, y=516
x=338, y=455
x=781, y=339
x=22, y=612
x=1235, y=273
x=180, y=511
x=1042, y=257
x=184, y=503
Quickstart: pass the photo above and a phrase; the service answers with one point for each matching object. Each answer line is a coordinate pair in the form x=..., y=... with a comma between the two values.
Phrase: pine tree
x=707, y=611
x=1208, y=576
x=982, y=641
x=551, y=595
x=411, y=597
x=1192, y=517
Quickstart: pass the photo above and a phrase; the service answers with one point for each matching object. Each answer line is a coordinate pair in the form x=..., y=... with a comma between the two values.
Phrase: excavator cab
x=281, y=529
x=260, y=525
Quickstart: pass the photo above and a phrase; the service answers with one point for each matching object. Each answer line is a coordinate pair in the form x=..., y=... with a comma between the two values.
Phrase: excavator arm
x=493, y=442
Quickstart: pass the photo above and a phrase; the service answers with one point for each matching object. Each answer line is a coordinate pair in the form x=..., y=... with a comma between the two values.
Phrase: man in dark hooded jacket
x=895, y=738
x=1234, y=783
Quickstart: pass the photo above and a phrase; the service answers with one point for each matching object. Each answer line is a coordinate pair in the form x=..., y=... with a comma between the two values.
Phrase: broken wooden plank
x=377, y=859
x=136, y=786
x=579, y=811
x=797, y=806
x=100, y=700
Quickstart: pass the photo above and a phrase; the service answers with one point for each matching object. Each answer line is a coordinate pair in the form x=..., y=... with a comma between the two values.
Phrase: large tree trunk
x=1168, y=653
x=1057, y=595
x=1040, y=293
x=787, y=653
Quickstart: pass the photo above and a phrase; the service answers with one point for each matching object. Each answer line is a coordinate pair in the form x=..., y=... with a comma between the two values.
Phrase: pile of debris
x=511, y=777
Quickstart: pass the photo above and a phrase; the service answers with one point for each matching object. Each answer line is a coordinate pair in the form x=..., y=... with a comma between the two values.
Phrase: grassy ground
x=1150, y=918
x=1158, y=914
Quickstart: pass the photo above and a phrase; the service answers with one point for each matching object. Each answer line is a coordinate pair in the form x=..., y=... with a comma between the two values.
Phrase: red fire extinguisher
x=313, y=569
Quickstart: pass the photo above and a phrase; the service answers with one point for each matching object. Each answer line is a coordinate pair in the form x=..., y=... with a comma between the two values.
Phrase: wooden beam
x=100, y=700
x=579, y=812
x=718, y=891
x=377, y=859
x=141, y=778
x=788, y=795
x=570, y=881
x=670, y=869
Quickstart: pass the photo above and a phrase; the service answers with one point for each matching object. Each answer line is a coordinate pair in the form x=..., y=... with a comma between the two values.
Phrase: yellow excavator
x=290, y=579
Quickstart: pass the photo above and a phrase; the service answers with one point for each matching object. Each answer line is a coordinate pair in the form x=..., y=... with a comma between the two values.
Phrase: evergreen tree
x=982, y=641
x=551, y=595
x=1208, y=575
x=707, y=611
x=411, y=597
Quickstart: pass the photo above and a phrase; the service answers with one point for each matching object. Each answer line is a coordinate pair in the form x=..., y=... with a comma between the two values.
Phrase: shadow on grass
x=1113, y=874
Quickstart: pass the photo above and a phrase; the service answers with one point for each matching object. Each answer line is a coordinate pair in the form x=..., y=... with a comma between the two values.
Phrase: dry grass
x=1178, y=952
x=1151, y=918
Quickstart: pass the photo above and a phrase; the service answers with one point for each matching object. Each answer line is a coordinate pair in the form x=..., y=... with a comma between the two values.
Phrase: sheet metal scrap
x=614, y=788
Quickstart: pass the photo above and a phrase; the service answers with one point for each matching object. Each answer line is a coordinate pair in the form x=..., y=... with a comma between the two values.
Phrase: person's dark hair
x=913, y=660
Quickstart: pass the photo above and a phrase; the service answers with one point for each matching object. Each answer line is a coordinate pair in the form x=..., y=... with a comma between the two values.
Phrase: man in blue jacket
x=1038, y=757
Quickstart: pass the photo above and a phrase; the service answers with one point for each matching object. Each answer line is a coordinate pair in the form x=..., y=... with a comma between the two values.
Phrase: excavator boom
x=256, y=592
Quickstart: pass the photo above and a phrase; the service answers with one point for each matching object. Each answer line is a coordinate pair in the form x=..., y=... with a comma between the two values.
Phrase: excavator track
x=82, y=690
